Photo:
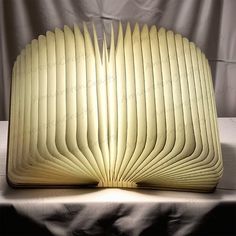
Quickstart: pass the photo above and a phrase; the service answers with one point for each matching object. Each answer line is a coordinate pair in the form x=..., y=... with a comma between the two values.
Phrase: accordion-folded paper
x=137, y=113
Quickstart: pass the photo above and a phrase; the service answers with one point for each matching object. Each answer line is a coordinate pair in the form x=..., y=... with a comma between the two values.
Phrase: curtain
x=208, y=23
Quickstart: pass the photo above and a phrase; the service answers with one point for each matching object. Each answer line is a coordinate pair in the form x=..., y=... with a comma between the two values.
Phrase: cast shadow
x=228, y=180
x=49, y=192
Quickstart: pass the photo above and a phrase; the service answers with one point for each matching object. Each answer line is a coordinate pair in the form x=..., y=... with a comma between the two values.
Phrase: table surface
x=226, y=189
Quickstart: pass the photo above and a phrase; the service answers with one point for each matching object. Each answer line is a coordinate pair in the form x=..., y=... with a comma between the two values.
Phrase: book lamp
x=140, y=113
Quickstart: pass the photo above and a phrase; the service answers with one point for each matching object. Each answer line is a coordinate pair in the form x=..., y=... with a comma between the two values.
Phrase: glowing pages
x=139, y=113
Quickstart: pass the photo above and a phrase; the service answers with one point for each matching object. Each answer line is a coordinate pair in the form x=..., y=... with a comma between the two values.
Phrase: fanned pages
x=138, y=111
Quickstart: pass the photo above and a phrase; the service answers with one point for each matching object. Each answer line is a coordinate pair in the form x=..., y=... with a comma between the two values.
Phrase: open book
x=137, y=113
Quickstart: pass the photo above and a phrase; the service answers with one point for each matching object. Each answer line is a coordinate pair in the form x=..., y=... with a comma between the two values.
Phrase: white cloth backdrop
x=211, y=24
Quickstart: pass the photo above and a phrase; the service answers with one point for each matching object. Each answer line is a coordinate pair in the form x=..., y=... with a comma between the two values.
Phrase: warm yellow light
x=139, y=114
